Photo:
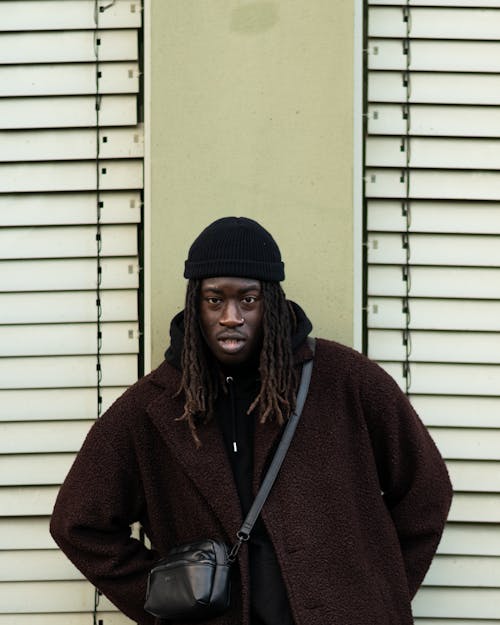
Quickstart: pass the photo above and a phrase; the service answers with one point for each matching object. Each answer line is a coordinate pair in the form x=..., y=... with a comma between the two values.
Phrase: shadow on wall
x=254, y=17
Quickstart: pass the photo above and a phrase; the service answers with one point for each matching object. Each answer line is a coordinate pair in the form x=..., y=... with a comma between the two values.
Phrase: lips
x=231, y=344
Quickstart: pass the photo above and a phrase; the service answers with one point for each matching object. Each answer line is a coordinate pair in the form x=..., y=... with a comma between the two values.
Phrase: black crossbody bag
x=193, y=581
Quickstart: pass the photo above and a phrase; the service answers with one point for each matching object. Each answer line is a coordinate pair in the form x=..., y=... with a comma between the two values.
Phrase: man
x=354, y=519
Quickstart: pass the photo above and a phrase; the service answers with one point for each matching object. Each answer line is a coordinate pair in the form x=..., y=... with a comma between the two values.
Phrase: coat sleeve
x=98, y=501
x=412, y=474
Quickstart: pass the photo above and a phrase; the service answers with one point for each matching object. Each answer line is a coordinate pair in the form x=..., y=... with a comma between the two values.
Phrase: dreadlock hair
x=201, y=381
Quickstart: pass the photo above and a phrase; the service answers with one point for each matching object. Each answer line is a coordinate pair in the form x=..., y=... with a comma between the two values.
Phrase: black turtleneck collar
x=174, y=351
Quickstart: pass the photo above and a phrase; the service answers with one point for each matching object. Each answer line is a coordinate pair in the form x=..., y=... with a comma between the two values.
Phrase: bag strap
x=243, y=533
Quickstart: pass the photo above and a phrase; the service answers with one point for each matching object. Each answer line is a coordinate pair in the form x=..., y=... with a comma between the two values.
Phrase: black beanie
x=235, y=247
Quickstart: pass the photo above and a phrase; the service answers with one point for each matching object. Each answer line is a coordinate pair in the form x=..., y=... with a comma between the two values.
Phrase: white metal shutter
x=432, y=188
x=55, y=166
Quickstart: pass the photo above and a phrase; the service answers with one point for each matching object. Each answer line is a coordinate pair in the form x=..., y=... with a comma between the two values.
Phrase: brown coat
x=355, y=515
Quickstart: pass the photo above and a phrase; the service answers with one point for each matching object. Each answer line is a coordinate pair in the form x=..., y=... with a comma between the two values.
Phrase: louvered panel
x=433, y=184
x=69, y=208
x=36, y=565
x=467, y=571
x=29, y=533
x=458, y=603
x=470, y=539
x=54, y=404
x=468, y=443
x=435, y=56
x=67, y=112
x=432, y=346
x=67, y=307
x=67, y=274
x=434, y=88
x=439, y=282
x=452, y=411
x=476, y=4
x=34, y=469
x=108, y=618
x=37, y=438
x=68, y=79
x=67, y=46
x=66, y=145
x=67, y=15
x=71, y=176
x=66, y=371
x=449, y=378
x=62, y=242
x=68, y=338
x=433, y=314
x=449, y=153
x=435, y=23
x=436, y=217
x=27, y=501
x=428, y=120
x=435, y=249
x=62, y=596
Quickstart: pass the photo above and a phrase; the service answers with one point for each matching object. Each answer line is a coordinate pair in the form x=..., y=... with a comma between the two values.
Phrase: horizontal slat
x=66, y=371
x=34, y=469
x=435, y=410
x=436, y=217
x=66, y=275
x=37, y=438
x=434, y=249
x=67, y=112
x=46, y=209
x=433, y=184
x=27, y=501
x=67, y=14
x=435, y=23
x=29, y=533
x=448, y=379
x=457, y=603
x=66, y=145
x=440, y=282
x=67, y=242
x=39, y=565
x=470, y=539
x=108, y=618
x=435, y=346
x=434, y=88
x=450, y=153
x=68, y=79
x=468, y=571
x=471, y=476
x=434, y=56
x=67, y=307
x=67, y=46
x=468, y=443
x=437, y=121
x=438, y=621
x=73, y=596
x=432, y=314
x=54, y=404
x=71, y=176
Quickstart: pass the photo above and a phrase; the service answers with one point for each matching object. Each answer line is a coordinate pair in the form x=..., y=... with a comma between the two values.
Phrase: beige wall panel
x=251, y=114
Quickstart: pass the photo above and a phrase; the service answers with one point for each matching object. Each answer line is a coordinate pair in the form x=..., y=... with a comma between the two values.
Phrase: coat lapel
x=208, y=466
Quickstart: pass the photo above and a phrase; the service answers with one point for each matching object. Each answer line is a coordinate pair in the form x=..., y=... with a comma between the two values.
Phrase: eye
x=250, y=299
x=213, y=300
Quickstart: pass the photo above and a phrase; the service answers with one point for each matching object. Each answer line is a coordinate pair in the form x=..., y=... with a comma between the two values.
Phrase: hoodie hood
x=174, y=351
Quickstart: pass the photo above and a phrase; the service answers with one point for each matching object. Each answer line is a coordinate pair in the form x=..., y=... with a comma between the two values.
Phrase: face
x=231, y=311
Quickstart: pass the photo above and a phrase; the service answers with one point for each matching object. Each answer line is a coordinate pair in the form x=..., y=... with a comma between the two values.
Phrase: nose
x=231, y=316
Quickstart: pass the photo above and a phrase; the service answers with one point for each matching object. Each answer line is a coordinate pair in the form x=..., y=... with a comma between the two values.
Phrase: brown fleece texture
x=355, y=515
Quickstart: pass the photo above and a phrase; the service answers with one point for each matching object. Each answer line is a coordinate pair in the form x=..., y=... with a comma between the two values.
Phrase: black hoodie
x=269, y=602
